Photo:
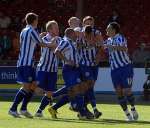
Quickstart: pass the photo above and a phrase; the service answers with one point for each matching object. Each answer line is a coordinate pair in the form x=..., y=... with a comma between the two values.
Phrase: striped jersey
x=69, y=50
x=48, y=60
x=29, y=37
x=118, y=59
x=88, y=54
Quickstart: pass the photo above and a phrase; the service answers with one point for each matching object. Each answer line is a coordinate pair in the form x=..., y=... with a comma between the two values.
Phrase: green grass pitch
x=112, y=117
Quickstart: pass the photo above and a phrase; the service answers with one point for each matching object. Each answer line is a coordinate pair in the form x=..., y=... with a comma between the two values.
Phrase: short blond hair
x=50, y=23
x=87, y=18
x=73, y=18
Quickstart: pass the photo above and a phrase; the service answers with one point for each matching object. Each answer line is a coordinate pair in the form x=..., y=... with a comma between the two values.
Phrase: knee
x=89, y=84
x=26, y=87
x=119, y=91
x=33, y=86
x=127, y=91
x=49, y=94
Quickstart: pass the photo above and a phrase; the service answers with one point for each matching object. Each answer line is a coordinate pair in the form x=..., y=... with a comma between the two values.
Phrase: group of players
x=80, y=51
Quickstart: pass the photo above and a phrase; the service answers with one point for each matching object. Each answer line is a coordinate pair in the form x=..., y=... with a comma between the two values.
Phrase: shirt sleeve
x=121, y=41
x=64, y=45
x=35, y=36
x=45, y=40
x=58, y=41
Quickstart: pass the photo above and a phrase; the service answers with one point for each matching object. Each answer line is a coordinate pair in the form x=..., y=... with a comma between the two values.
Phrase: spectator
x=146, y=88
x=140, y=55
x=115, y=17
x=60, y=3
x=5, y=21
x=16, y=24
x=5, y=43
x=15, y=47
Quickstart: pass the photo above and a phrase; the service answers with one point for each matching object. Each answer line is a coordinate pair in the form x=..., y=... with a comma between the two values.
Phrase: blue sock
x=131, y=100
x=44, y=102
x=91, y=97
x=73, y=104
x=64, y=100
x=26, y=100
x=18, y=98
x=123, y=102
x=60, y=91
x=80, y=104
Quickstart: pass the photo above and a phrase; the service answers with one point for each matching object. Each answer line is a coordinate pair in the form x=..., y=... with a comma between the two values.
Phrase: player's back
x=28, y=39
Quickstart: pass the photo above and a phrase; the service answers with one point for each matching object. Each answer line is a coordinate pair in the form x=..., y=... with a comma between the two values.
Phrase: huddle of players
x=79, y=50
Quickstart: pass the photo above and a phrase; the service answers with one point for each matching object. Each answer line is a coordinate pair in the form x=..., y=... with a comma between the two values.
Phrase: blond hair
x=87, y=18
x=50, y=23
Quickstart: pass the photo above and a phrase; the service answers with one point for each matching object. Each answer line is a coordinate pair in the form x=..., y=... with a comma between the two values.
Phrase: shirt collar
x=67, y=38
x=116, y=35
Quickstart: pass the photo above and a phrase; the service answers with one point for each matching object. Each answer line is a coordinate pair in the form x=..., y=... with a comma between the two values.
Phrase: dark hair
x=115, y=26
x=30, y=17
x=88, y=29
x=69, y=31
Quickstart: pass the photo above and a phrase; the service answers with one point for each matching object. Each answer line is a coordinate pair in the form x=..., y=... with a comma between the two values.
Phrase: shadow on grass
x=100, y=121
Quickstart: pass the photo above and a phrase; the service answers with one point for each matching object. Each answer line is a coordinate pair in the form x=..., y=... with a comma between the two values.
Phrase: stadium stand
x=134, y=16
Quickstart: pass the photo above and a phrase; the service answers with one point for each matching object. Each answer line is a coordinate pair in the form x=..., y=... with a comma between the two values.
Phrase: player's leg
x=48, y=83
x=27, y=99
x=90, y=75
x=30, y=72
x=25, y=77
x=67, y=70
x=127, y=82
x=30, y=92
x=72, y=84
x=53, y=109
x=123, y=102
x=117, y=82
x=92, y=98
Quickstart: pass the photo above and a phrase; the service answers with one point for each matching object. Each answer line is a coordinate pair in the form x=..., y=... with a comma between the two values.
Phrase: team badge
x=78, y=80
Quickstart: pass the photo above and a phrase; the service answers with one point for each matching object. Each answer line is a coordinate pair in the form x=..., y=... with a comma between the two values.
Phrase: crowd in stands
x=132, y=15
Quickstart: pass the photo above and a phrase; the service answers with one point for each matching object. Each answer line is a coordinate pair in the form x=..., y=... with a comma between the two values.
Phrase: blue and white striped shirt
x=88, y=54
x=48, y=60
x=118, y=59
x=69, y=50
x=29, y=37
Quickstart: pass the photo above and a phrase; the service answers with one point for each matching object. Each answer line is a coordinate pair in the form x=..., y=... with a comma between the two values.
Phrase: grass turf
x=112, y=117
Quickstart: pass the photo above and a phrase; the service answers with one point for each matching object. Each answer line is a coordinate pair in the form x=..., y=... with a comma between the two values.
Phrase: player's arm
x=59, y=52
x=120, y=48
x=121, y=44
x=115, y=48
x=60, y=55
x=81, y=45
x=52, y=44
x=99, y=40
x=38, y=40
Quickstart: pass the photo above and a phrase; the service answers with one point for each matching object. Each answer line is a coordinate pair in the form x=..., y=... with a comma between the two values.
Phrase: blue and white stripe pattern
x=69, y=50
x=88, y=54
x=48, y=60
x=29, y=37
x=118, y=58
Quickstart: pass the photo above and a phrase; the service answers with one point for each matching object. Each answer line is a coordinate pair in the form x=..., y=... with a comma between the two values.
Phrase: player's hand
x=70, y=62
x=109, y=47
x=43, y=34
